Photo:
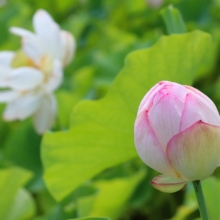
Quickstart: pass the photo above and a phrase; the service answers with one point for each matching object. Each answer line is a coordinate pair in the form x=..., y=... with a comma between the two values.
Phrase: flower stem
x=201, y=201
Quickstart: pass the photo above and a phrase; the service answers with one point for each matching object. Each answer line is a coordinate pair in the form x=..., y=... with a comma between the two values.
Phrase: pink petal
x=148, y=147
x=148, y=99
x=202, y=96
x=165, y=116
x=195, y=152
x=159, y=90
x=167, y=184
x=197, y=108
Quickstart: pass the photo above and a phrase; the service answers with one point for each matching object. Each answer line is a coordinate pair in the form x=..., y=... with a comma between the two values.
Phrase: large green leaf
x=101, y=133
x=12, y=179
x=82, y=82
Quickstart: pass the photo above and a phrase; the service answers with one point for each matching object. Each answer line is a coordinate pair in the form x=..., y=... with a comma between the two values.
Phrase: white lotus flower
x=32, y=76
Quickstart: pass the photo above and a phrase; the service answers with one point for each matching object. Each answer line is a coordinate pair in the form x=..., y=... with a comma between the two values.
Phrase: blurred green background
x=90, y=168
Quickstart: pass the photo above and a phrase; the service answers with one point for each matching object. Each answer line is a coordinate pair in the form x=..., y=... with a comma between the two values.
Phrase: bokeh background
x=106, y=32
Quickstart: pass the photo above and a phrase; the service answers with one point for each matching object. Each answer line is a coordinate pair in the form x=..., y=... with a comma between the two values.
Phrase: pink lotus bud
x=177, y=133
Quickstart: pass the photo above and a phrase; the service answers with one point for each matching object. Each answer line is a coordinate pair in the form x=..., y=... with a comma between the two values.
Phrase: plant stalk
x=201, y=201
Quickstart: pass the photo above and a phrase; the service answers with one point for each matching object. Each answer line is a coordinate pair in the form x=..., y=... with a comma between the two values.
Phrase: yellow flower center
x=45, y=65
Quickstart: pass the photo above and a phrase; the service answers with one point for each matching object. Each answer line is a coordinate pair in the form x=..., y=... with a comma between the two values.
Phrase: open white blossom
x=31, y=76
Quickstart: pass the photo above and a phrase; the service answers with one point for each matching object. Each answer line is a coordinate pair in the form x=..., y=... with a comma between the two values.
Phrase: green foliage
x=23, y=141
x=90, y=166
x=91, y=218
x=23, y=206
x=108, y=123
x=12, y=179
x=117, y=191
x=210, y=186
x=173, y=20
